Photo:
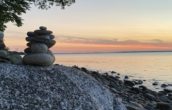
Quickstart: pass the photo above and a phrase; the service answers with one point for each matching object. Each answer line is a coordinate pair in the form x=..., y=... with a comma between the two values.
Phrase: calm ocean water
x=151, y=66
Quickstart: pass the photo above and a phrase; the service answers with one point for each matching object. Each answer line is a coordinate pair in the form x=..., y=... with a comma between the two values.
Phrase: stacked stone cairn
x=7, y=56
x=38, y=52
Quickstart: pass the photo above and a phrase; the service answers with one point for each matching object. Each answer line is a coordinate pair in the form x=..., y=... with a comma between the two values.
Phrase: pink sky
x=105, y=27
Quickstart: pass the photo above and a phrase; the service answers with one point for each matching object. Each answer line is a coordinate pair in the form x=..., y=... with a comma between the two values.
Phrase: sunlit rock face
x=38, y=52
x=52, y=88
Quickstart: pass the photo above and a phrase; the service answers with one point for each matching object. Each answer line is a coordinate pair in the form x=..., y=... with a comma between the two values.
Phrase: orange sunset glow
x=107, y=27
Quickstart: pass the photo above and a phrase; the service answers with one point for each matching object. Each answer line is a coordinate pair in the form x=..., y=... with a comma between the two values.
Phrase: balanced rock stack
x=38, y=52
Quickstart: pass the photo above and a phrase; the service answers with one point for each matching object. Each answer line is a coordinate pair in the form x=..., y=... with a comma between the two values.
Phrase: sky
x=100, y=26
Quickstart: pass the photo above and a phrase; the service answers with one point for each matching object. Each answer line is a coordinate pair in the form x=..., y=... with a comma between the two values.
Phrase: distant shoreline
x=22, y=53
x=116, y=52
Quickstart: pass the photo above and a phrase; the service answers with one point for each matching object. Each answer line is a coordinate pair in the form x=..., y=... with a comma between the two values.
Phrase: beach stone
x=143, y=88
x=29, y=39
x=113, y=72
x=164, y=98
x=155, y=83
x=161, y=93
x=46, y=37
x=15, y=59
x=31, y=34
x=129, y=83
x=52, y=36
x=50, y=52
x=39, y=48
x=7, y=57
x=27, y=50
x=170, y=96
x=150, y=96
x=150, y=106
x=43, y=32
x=135, y=90
x=126, y=77
x=1, y=35
x=2, y=45
x=5, y=60
x=134, y=106
x=48, y=42
x=168, y=90
x=163, y=106
x=43, y=28
x=39, y=59
x=28, y=44
x=164, y=85
x=3, y=53
x=4, y=56
x=51, y=44
x=137, y=82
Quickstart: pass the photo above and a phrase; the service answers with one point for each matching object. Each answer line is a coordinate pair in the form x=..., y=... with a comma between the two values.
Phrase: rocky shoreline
x=134, y=95
x=57, y=87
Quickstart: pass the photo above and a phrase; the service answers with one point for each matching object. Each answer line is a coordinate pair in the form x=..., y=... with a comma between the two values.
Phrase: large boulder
x=52, y=88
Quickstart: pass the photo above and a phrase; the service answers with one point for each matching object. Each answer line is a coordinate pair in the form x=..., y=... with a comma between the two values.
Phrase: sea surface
x=149, y=66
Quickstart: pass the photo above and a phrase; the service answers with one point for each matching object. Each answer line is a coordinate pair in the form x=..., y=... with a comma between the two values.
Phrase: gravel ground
x=53, y=88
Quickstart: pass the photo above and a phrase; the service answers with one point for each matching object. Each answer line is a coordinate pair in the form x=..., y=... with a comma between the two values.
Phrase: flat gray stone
x=3, y=53
x=43, y=37
x=1, y=35
x=39, y=59
x=39, y=48
x=27, y=50
x=48, y=42
x=43, y=32
x=43, y=28
x=31, y=34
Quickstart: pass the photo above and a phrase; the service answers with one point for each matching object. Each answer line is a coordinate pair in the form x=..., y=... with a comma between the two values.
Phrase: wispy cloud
x=72, y=39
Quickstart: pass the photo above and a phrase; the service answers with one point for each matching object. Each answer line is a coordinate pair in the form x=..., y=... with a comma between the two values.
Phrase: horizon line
x=110, y=52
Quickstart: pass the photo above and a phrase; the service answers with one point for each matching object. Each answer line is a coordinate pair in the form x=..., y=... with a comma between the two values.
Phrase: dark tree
x=11, y=10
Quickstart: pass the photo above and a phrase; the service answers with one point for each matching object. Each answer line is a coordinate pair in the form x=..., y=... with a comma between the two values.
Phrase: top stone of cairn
x=43, y=28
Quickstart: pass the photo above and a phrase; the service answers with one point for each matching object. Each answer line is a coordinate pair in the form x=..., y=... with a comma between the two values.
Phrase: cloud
x=156, y=41
x=72, y=39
